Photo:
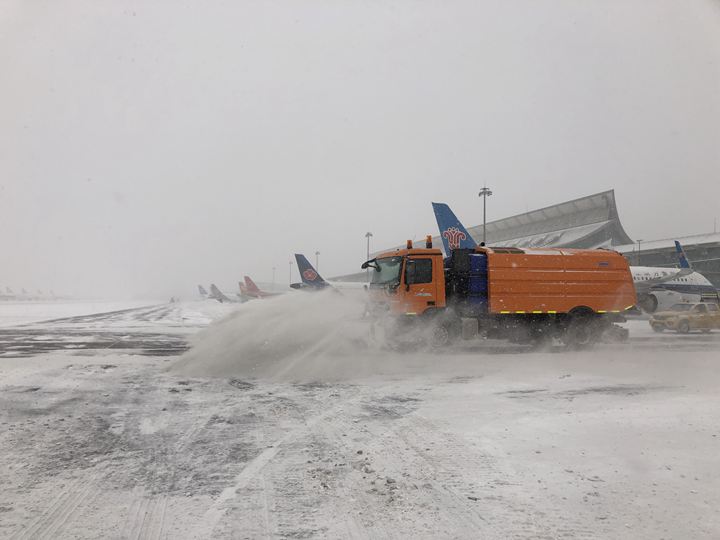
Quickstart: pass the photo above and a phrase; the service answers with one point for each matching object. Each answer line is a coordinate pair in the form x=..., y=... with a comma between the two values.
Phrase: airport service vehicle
x=657, y=288
x=518, y=294
x=684, y=317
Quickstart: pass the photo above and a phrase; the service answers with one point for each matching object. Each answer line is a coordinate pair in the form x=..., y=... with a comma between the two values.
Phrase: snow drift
x=294, y=336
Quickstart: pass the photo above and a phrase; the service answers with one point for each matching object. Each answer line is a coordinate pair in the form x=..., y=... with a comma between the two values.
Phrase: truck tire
x=683, y=327
x=440, y=336
x=582, y=331
x=444, y=333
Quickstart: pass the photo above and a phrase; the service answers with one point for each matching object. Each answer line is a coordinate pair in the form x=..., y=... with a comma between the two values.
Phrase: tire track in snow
x=148, y=514
x=510, y=512
x=61, y=510
x=392, y=456
x=215, y=513
x=332, y=434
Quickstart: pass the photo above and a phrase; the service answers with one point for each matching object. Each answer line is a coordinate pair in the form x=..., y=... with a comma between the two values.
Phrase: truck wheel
x=443, y=334
x=440, y=337
x=683, y=327
x=581, y=333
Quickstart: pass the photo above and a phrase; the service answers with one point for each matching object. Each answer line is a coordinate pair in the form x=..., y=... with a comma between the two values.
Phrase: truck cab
x=407, y=281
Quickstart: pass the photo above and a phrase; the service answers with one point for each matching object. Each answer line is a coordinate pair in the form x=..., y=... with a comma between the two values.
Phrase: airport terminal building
x=588, y=222
x=592, y=222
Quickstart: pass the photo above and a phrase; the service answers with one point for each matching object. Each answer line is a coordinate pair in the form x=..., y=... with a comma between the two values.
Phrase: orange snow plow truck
x=523, y=295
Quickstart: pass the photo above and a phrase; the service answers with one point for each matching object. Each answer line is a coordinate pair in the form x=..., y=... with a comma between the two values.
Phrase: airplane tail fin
x=202, y=291
x=453, y=234
x=309, y=275
x=684, y=261
x=216, y=294
x=250, y=285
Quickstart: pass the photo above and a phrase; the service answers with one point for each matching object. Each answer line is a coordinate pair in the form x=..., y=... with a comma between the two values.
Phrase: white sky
x=149, y=146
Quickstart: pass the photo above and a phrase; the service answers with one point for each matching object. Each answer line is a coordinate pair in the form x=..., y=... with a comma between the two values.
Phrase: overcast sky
x=149, y=146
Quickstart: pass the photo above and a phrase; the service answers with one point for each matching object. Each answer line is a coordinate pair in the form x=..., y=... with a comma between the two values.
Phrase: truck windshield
x=389, y=271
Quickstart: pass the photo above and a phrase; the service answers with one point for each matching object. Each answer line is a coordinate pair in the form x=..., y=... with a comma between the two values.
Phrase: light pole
x=484, y=193
x=638, y=257
x=273, y=278
x=317, y=261
x=368, y=235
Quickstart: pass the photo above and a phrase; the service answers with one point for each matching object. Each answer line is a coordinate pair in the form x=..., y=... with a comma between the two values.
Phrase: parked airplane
x=250, y=291
x=217, y=294
x=656, y=287
x=203, y=293
x=25, y=296
x=660, y=288
x=312, y=281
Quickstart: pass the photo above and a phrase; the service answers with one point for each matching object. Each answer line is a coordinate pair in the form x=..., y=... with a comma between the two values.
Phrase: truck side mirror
x=409, y=274
x=372, y=263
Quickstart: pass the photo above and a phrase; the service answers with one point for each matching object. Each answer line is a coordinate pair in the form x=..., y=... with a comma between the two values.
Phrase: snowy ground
x=104, y=434
x=23, y=312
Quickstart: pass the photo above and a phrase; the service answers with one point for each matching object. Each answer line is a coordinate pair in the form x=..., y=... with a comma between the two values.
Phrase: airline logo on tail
x=454, y=237
x=453, y=234
x=308, y=274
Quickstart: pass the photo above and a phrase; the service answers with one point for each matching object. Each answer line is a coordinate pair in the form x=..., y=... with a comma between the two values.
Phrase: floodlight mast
x=484, y=193
x=368, y=235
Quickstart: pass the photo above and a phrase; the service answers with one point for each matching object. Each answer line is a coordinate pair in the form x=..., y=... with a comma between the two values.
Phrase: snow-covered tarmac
x=104, y=433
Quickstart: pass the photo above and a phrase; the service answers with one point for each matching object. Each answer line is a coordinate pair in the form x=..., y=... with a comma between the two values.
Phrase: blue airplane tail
x=308, y=274
x=684, y=262
x=202, y=291
x=453, y=234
